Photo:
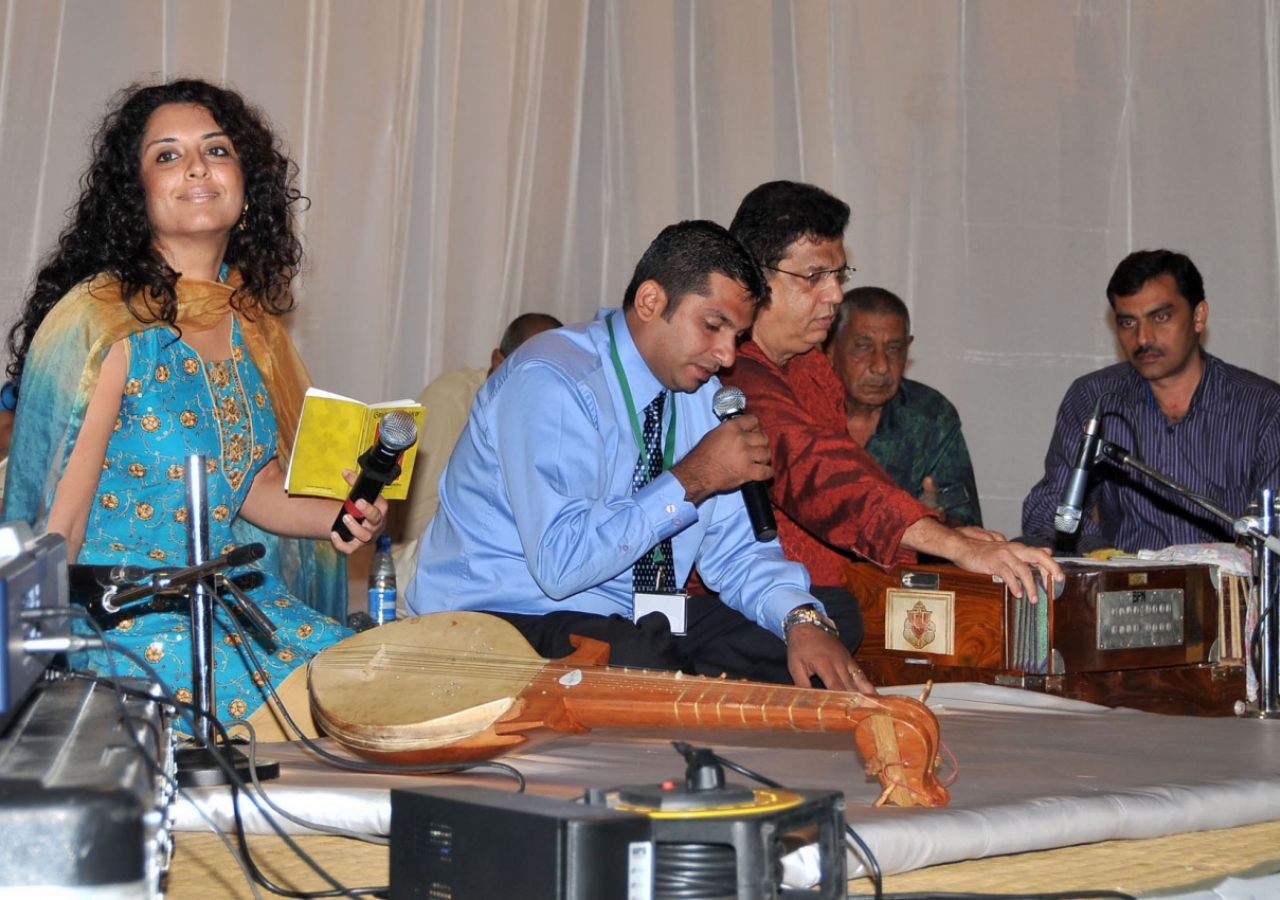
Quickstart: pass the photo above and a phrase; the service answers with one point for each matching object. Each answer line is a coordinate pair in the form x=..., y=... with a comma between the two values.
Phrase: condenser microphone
x=729, y=403
x=85, y=577
x=379, y=465
x=108, y=588
x=240, y=556
x=1066, y=519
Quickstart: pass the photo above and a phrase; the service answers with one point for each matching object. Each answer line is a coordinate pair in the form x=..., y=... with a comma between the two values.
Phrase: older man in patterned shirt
x=909, y=428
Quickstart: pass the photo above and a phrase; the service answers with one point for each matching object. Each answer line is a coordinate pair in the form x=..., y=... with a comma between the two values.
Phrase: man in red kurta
x=827, y=491
x=832, y=499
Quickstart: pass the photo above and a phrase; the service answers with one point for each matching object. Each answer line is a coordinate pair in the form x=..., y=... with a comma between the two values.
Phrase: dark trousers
x=718, y=641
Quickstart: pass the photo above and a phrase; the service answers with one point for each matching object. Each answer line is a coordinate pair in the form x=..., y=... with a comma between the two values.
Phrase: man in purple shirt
x=1210, y=426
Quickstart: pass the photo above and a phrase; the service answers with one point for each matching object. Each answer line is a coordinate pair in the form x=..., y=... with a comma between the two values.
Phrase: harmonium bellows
x=1115, y=633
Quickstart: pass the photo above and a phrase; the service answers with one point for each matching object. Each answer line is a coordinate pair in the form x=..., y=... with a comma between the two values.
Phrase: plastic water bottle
x=382, y=583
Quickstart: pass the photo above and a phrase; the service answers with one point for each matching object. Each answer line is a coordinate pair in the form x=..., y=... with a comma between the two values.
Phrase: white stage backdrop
x=472, y=159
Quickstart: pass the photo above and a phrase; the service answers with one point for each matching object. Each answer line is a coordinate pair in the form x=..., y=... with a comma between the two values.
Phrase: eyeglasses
x=839, y=276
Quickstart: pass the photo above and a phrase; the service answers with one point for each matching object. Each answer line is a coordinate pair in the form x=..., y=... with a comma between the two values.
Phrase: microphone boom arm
x=1120, y=456
x=112, y=602
x=1264, y=549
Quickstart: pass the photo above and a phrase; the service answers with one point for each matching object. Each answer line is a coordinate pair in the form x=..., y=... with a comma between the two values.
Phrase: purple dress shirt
x=1227, y=447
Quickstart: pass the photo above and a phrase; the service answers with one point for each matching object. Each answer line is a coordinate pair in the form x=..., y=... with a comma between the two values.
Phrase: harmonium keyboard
x=1152, y=635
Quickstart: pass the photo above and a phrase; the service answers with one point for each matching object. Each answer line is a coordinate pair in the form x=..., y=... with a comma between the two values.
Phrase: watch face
x=807, y=615
x=796, y=616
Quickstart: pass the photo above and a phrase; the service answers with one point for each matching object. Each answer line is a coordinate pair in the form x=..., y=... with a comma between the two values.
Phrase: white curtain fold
x=469, y=160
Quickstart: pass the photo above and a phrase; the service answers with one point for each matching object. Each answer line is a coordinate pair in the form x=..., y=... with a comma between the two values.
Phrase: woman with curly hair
x=153, y=332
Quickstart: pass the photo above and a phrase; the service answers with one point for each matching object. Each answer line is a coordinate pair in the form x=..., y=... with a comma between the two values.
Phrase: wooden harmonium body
x=1118, y=634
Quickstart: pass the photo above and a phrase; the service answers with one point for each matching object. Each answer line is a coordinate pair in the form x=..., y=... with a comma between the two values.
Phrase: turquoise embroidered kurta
x=59, y=378
x=176, y=404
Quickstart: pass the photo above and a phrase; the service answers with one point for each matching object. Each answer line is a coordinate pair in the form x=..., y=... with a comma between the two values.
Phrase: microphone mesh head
x=1066, y=520
x=729, y=401
x=398, y=430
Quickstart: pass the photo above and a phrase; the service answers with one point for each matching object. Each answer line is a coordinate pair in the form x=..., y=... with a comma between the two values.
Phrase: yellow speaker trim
x=765, y=801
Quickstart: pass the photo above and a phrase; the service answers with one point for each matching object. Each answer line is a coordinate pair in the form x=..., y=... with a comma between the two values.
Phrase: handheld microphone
x=1066, y=519
x=379, y=465
x=728, y=403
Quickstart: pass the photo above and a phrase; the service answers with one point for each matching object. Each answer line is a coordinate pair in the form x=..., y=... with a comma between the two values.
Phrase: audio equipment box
x=630, y=843
x=33, y=579
x=1141, y=634
x=467, y=843
x=83, y=801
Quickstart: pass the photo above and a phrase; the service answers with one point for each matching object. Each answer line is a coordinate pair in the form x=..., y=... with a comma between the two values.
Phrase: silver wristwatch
x=807, y=615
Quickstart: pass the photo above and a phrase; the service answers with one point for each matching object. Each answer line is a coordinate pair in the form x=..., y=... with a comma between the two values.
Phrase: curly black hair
x=109, y=231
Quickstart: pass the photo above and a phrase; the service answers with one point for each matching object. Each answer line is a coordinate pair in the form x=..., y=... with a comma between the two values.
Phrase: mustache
x=1148, y=349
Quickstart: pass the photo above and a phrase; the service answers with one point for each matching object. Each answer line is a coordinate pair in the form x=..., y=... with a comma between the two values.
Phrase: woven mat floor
x=204, y=870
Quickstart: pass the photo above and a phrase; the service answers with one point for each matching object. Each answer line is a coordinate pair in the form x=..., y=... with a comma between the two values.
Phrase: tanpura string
x=724, y=703
x=725, y=693
x=470, y=664
x=955, y=763
x=909, y=761
x=904, y=763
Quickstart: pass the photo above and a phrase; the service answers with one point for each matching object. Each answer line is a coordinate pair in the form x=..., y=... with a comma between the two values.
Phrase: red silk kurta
x=831, y=498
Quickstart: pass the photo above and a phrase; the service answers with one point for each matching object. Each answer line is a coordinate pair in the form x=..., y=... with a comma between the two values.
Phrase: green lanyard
x=669, y=451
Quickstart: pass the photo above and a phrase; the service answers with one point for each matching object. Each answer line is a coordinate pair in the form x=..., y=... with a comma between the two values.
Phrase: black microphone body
x=89, y=584
x=240, y=556
x=379, y=466
x=729, y=403
x=1066, y=519
x=88, y=577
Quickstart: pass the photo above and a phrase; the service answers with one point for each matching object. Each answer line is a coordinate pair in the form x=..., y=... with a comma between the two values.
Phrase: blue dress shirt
x=537, y=512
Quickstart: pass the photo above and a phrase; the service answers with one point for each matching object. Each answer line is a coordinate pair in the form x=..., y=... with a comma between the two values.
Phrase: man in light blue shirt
x=539, y=520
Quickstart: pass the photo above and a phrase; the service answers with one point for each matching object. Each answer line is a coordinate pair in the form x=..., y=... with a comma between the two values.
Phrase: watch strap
x=807, y=615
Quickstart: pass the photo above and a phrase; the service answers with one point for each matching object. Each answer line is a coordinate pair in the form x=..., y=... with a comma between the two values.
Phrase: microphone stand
x=201, y=600
x=146, y=582
x=1266, y=566
x=1263, y=535
x=198, y=766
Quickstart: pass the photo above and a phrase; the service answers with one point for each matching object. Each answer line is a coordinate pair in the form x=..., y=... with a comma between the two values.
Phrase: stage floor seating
x=1032, y=773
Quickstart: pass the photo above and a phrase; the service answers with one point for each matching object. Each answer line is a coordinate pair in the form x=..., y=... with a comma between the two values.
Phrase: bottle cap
x=384, y=543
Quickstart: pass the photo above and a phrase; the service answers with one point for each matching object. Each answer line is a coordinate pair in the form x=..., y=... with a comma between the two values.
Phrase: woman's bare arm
x=268, y=506
x=78, y=486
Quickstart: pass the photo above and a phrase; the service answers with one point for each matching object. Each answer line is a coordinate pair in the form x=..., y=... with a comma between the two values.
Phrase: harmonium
x=1156, y=636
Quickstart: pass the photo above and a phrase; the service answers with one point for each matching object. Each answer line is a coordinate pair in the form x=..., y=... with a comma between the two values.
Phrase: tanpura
x=465, y=686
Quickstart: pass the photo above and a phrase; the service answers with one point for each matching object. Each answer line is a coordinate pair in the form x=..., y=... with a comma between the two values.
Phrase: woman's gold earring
x=244, y=217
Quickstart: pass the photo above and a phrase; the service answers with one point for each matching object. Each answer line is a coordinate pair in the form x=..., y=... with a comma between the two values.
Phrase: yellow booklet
x=332, y=433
